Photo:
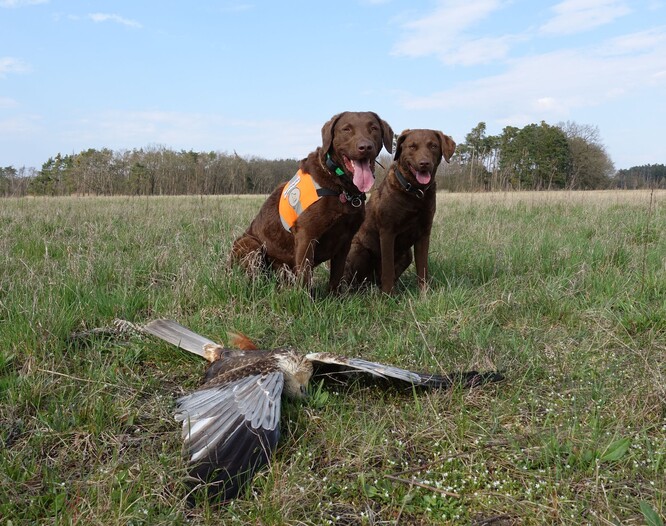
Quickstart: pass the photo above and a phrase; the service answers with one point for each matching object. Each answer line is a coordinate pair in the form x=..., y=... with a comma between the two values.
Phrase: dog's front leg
x=304, y=251
x=338, y=268
x=387, y=248
x=421, y=248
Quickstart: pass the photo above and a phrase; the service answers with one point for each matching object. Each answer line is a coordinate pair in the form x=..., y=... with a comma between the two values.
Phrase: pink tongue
x=423, y=177
x=363, y=177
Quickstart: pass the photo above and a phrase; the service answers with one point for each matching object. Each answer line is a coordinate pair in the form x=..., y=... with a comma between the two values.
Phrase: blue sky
x=261, y=77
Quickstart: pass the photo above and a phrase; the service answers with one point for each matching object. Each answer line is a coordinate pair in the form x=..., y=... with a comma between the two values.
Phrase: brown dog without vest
x=400, y=212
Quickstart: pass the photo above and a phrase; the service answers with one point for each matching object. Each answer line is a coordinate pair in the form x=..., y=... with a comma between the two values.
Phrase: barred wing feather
x=230, y=431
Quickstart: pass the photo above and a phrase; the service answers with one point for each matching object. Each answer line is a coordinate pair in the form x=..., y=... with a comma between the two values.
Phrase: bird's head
x=297, y=372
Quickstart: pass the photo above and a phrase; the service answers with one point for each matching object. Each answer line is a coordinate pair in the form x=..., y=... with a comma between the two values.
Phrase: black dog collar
x=409, y=187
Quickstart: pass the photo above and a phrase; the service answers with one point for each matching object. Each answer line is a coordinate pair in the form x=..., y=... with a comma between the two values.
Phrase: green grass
x=564, y=292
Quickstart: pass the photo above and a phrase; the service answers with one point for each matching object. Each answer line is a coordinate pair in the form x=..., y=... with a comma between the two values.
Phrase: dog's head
x=353, y=140
x=419, y=152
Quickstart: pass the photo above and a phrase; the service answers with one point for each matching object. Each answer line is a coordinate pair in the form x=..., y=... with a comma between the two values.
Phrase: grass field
x=563, y=292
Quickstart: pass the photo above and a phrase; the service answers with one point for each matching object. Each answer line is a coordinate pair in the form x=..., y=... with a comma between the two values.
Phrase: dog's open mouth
x=422, y=176
x=363, y=173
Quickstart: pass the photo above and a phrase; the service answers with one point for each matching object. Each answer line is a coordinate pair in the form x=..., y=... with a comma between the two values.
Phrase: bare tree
x=591, y=166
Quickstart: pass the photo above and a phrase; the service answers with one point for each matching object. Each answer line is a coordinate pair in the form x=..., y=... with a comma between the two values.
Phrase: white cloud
x=636, y=42
x=443, y=33
x=19, y=126
x=12, y=65
x=552, y=85
x=576, y=16
x=6, y=102
x=480, y=50
x=546, y=103
x=202, y=132
x=105, y=17
x=21, y=3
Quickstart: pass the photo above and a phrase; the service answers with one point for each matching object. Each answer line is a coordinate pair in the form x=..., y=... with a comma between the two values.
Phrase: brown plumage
x=231, y=422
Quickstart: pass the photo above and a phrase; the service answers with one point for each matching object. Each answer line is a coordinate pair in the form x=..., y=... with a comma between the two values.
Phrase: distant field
x=564, y=292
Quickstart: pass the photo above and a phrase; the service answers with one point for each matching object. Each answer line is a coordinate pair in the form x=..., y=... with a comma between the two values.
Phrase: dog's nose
x=424, y=165
x=365, y=146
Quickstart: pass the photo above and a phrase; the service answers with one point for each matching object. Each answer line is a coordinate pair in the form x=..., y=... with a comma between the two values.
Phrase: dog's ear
x=398, y=144
x=448, y=146
x=387, y=133
x=327, y=132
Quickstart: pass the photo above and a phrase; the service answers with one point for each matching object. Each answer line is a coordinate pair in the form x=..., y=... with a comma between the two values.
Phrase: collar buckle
x=357, y=200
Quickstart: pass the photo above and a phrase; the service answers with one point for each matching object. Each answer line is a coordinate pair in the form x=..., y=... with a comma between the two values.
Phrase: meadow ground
x=563, y=292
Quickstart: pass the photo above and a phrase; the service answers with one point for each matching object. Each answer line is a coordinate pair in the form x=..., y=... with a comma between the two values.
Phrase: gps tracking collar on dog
x=334, y=167
x=355, y=200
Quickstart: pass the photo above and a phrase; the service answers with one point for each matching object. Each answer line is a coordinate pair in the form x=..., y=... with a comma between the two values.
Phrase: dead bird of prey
x=231, y=423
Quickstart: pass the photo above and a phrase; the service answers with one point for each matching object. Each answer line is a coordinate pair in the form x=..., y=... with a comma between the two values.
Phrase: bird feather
x=230, y=430
x=180, y=336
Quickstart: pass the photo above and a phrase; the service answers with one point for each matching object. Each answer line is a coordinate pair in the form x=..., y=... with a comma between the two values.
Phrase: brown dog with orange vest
x=313, y=217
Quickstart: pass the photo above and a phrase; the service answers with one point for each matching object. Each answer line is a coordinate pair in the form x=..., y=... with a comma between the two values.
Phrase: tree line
x=644, y=176
x=535, y=157
x=158, y=171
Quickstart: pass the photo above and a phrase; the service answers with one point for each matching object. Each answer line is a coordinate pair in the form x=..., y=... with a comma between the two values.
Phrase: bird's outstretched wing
x=231, y=429
x=327, y=363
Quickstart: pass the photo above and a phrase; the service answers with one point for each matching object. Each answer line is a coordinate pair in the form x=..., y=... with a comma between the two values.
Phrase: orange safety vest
x=299, y=193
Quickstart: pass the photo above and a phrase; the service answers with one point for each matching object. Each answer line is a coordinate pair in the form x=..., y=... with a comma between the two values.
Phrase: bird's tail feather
x=174, y=333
